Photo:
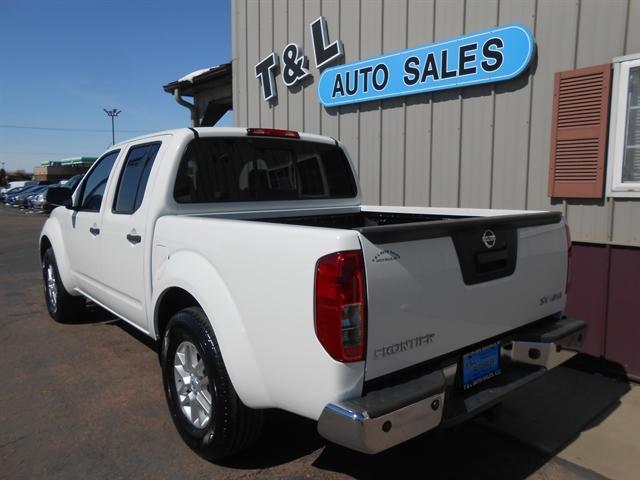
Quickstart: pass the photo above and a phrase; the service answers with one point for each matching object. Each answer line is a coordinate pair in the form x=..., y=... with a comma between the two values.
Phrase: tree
x=19, y=175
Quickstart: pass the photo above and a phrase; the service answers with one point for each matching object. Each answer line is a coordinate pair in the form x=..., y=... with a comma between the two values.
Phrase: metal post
x=112, y=113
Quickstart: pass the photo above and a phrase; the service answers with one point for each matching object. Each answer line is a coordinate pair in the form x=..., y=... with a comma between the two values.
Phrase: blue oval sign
x=489, y=56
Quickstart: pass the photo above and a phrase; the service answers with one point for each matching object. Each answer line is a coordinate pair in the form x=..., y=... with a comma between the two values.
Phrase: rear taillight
x=569, y=253
x=340, y=305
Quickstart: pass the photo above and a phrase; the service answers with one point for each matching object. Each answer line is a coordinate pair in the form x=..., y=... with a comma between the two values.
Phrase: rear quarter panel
x=255, y=282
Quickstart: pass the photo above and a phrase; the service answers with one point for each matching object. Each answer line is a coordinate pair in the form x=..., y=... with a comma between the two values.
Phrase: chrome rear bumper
x=384, y=418
x=355, y=429
x=547, y=348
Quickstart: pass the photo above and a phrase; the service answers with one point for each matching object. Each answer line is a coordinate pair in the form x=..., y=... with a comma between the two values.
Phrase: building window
x=624, y=134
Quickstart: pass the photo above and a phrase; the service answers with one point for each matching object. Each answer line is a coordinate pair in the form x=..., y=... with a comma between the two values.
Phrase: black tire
x=62, y=306
x=232, y=427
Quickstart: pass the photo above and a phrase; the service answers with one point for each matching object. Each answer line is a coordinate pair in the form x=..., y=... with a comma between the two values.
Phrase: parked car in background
x=72, y=182
x=32, y=195
x=7, y=192
x=39, y=202
x=16, y=184
x=9, y=197
x=16, y=200
x=27, y=199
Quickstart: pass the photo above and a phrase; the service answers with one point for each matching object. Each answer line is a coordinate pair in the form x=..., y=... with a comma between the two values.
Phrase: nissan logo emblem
x=489, y=238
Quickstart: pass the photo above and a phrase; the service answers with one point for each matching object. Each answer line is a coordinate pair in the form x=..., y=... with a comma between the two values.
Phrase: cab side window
x=96, y=182
x=134, y=177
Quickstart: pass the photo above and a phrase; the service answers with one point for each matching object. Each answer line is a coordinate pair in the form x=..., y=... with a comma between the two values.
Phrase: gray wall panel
x=239, y=66
x=511, y=134
x=349, y=124
x=311, y=103
x=632, y=42
x=280, y=39
x=371, y=38
x=297, y=32
x=254, y=93
x=590, y=221
x=602, y=31
x=420, y=20
x=350, y=116
x=445, y=140
x=266, y=47
x=556, y=24
x=393, y=121
x=626, y=227
x=476, y=146
x=330, y=119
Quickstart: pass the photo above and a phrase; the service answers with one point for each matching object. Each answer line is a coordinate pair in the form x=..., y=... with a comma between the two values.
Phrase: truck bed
x=438, y=284
x=358, y=220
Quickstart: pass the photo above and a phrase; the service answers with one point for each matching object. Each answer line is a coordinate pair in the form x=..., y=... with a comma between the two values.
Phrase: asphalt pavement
x=85, y=400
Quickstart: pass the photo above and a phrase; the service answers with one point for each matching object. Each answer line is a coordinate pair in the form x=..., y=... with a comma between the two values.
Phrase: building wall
x=604, y=291
x=485, y=146
x=56, y=173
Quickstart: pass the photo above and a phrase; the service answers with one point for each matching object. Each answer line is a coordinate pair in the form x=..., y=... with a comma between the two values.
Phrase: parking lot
x=85, y=400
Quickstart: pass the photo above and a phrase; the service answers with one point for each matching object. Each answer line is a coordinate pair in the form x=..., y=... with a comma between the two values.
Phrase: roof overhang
x=205, y=79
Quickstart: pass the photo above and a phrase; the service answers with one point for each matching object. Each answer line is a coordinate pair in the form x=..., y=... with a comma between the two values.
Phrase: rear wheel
x=204, y=406
x=62, y=306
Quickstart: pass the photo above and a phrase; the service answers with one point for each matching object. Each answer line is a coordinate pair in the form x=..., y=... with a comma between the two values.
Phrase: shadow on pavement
x=553, y=411
x=95, y=315
x=286, y=437
x=533, y=425
x=466, y=452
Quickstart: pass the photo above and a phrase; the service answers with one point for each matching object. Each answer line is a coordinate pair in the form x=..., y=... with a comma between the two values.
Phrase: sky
x=63, y=62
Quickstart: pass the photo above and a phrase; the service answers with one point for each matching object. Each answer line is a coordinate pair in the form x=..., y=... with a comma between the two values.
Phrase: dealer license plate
x=480, y=365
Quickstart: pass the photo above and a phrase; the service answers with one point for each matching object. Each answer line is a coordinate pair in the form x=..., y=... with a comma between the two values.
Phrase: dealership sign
x=488, y=56
x=294, y=67
x=484, y=57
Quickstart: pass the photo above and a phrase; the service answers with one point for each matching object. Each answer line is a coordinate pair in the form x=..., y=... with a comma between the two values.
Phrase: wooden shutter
x=579, y=132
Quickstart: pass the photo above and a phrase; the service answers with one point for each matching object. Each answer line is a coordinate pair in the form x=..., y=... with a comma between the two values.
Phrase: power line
x=69, y=129
x=38, y=153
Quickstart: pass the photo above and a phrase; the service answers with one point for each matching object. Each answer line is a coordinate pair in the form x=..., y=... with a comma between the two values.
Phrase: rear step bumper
x=547, y=347
x=384, y=418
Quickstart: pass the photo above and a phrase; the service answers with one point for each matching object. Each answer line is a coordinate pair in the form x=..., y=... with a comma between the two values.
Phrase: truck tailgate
x=437, y=287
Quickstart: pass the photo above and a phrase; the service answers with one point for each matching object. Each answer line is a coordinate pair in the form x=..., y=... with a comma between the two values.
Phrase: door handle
x=134, y=238
x=94, y=231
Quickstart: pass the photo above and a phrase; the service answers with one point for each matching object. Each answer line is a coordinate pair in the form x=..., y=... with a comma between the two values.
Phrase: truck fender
x=197, y=276
x=53, y=233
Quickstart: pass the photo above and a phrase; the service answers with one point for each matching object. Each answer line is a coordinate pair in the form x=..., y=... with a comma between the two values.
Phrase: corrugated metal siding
x=446, y=116
x=484, y=146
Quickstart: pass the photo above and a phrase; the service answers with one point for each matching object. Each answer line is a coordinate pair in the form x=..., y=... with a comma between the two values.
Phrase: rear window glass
x=245, y=169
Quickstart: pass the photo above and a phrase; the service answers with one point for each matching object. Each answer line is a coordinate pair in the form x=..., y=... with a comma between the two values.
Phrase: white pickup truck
x=248, y=256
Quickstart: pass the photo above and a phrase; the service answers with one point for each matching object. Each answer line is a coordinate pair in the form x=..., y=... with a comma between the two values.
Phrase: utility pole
x=112, y=113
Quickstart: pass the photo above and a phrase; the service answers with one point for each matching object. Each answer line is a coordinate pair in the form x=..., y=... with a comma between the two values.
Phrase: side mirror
x=59, y=196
